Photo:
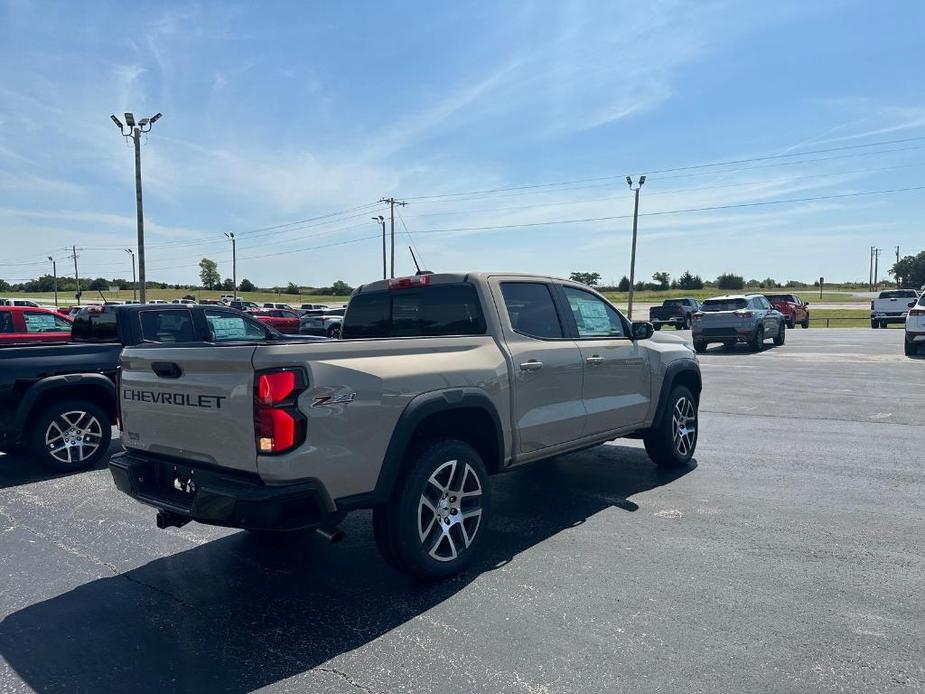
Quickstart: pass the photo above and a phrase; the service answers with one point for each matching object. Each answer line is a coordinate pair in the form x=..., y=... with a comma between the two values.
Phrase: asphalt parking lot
x=788, y=559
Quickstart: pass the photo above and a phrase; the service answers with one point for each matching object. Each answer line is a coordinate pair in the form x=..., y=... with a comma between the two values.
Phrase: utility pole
x=381, y=220
x=870, y=272
x=134, y=283
x=877, y=252
x=629, y=182
x=234, y=264
x=392, y=203
x=76, y=276
x=54, y=274
x=135, y=132
x=897, y=262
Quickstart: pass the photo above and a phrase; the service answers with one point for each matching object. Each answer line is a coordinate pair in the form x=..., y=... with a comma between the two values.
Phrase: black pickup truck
x=676, y=312
x=59, y=400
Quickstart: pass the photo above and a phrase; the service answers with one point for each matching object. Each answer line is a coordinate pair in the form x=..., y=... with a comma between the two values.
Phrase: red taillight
x=744, y=314
x=697, y=315
x=279, y=426
x=409, y=282
x=917, y=312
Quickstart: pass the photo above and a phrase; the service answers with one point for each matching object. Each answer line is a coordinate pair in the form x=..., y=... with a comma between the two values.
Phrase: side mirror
x=642, y=330
x=806, y=303
x=911, y=304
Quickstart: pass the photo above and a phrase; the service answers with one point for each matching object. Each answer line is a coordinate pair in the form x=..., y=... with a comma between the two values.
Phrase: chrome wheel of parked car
x=684, y=425
x=450, y=510
x=73, y=437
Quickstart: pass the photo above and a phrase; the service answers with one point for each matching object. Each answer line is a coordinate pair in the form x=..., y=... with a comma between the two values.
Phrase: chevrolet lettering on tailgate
x=208, y=402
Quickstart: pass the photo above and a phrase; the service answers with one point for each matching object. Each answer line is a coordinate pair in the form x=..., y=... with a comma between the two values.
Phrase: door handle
x=166, y=369
x=594, y=360
x=532, y=365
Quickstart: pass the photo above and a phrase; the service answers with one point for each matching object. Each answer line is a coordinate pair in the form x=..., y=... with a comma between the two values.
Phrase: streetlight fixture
x=135, y=132
x=54, y=274
x=134, y=283
x=234, y=263
x=381, y=220
x=629, y=182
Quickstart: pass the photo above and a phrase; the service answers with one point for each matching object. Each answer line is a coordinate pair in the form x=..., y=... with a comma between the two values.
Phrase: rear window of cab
x=448, y=309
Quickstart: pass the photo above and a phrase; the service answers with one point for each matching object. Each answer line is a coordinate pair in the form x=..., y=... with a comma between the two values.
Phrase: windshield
x=713, y=305
x=898, y=294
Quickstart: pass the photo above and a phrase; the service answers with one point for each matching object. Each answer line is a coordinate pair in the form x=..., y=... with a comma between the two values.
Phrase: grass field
x=90, y=297
x=842, y=318
x=811, y=295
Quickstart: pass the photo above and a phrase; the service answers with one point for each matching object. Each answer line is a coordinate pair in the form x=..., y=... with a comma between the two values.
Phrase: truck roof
x=458, y=277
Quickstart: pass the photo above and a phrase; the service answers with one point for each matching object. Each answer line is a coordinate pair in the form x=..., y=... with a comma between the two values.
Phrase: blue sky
x=278, y=112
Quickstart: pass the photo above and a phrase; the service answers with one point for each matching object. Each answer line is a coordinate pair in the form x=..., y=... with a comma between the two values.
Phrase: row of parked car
x=679, y=313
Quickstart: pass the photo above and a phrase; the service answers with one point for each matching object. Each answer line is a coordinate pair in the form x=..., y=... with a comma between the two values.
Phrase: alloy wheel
x=73, y=436
x=684, y=426
x=450, y=510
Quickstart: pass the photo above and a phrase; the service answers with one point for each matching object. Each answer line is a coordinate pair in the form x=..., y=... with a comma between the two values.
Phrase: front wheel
x=805, y=323
x=874, y=324
x=71, y=435
x=433, y=525
x=334, y=332
x=781, y=334
x=673, y=441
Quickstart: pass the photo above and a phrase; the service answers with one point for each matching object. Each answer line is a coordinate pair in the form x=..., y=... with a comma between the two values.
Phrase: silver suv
x=748, y=318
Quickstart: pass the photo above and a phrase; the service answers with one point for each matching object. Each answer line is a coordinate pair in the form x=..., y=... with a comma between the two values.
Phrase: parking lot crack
x=344, y=676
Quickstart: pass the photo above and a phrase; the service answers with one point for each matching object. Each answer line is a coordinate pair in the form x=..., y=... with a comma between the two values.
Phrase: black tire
x=97, y=434
x=910, y=348
x=874, y=324
x=334, y=332
x=756, y=344
x=397, y=525
x=781, y=334
x=700, y=347
x=663, y=447
x=729, y=346
x=792, y=323
x=805, y=323
x=656, y=326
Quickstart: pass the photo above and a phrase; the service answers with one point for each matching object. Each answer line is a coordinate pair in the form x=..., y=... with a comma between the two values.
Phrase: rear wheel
x=700, y=347
x=334, y=332
x=911, y=348
x=756, y=344
x=673, y=441
x=781, y=334
x=433, y=524
x=875, y=324
x=70, y=436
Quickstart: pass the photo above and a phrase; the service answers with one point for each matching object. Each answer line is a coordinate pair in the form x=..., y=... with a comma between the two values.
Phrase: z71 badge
x=323, y=400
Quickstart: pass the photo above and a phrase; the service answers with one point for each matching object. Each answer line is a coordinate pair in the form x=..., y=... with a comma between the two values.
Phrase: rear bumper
x=673, y=321
x=221, y=497
x=730, y=334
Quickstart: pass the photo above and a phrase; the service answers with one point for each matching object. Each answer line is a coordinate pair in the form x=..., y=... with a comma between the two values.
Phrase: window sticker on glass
x=593, y=316
x=40, y=323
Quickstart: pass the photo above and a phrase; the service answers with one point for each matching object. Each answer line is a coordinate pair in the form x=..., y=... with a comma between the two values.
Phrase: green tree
x=341, y=288
x=293, y=288
x=689, y=281
x=588, y=278
x=624, y=285
x=228, y=284
x=910, y=271
x=208, y=273
x=4, y=286
x=729, y=280
x=99, y=284
x=662, y=278
x=768, y=283
x=247, y=285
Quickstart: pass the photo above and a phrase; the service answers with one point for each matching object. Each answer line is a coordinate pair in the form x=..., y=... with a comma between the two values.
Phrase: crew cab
x=437, y=382
x=748, y=318
x=675, y=312
x=795, y=310
x=283, y=320
x=22, y=325
x=891, y=306
x=59, y=400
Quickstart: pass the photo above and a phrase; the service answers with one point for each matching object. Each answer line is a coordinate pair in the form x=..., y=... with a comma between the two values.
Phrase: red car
x=26, y=325
x=281, y=319
x=793, y=308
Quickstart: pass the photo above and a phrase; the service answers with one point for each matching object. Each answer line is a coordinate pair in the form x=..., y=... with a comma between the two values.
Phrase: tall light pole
x=134, y=282
x=135, y=132
x=877, y=252
x=54, y=274
x=234, y=264
x=629, y=182
x=381, y=220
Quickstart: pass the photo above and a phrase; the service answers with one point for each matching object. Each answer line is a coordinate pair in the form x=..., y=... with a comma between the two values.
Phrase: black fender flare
x=39, y=388
x=675, y=369
x=415, y=412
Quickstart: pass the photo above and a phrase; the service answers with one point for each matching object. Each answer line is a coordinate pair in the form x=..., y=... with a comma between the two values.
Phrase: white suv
x=915, y=327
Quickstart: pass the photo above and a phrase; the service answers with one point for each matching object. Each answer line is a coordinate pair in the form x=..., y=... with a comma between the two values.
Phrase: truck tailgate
x=194, y=403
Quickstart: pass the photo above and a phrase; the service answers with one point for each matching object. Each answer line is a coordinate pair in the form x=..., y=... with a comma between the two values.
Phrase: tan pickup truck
x=438, y=382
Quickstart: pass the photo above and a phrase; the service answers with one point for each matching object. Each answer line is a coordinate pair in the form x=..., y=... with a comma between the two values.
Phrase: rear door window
x=229, y=327
x=531, y=308
x=37, y=322
x=168, y=325
x=723, y=305
x=6, y=322
x=450, y=309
